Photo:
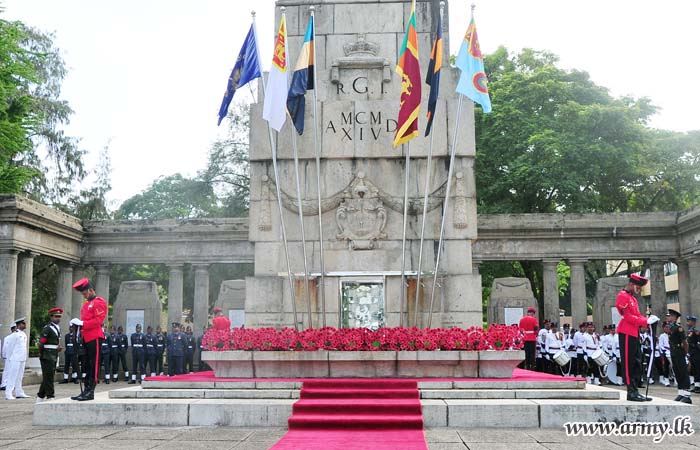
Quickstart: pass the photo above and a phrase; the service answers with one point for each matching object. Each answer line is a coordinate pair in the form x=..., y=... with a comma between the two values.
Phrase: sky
x=146, y=77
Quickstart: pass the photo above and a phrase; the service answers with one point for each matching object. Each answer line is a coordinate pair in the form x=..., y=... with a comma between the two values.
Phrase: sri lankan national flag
x=432, y=78
x=408, y=69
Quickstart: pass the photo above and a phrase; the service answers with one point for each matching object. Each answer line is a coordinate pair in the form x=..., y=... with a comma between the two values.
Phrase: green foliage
x=172, y=197
x=220, y=190
x=36, y=156
x=557, y=142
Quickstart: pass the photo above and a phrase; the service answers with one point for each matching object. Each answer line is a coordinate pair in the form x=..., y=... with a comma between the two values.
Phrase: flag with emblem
x=246, y=69
x=275, y=105
x=408, y=69
x=470, y=61
x=302, y=79
x=432, y=78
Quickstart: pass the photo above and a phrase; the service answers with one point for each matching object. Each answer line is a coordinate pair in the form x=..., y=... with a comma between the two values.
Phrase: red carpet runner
x=354, y=414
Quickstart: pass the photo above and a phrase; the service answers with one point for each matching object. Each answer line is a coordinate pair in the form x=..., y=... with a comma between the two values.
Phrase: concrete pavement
x=17, y=432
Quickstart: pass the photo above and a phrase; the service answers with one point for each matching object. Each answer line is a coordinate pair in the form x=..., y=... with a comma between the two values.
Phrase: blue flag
x=432, y=78
x=302, y=79
x=247, y=68
x=470, y=61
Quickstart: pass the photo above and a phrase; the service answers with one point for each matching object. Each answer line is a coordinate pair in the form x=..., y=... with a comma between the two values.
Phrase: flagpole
x=300, y=213
x=279, y=199
x=422, y=228
x=322, y=287
x=403, y=240
x=444, y=209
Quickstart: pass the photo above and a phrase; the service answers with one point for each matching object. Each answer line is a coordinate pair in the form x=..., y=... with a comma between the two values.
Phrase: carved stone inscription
x=362, y=125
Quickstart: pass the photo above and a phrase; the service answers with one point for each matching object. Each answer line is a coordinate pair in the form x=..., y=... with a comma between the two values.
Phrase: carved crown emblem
x=361, y=47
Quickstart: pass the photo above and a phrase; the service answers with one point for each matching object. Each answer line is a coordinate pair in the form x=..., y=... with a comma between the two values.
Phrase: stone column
x=64, y=294
x=684, y=298
x=174, y=294
x=551, y=289
x=475, y=267
x=8, y=289
x=694, y=282
x=102, y=274
x=25, y=276
x=77, y=298
x=200, y=313
x=578, y=290
x=657, y=285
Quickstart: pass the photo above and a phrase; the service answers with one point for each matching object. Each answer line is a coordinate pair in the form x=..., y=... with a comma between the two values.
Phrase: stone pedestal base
x=333, y=364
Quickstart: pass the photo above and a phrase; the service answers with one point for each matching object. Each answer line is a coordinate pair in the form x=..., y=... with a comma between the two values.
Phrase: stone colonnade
x=688, y=287
x=16, y=277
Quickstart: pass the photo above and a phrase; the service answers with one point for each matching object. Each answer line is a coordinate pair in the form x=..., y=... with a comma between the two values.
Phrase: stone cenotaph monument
x=362, y=181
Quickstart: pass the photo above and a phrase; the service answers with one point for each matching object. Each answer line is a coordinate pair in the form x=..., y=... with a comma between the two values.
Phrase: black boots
x=87, y=394
x=633, y=395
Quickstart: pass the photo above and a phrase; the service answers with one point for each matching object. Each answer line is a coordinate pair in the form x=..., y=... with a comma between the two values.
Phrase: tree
x=557, y=142
x=36, y=156
x=172, y=197
x=228, y=165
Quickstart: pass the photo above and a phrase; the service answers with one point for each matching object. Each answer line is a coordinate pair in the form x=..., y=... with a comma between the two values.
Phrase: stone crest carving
x=361, y=216
x=361, y=54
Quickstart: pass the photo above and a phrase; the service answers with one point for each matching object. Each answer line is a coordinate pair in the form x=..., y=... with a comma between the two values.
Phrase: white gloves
x=546, y=357
x=77, y=322
x=652, y=319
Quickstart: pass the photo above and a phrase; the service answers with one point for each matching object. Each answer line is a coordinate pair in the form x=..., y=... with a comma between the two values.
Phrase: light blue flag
x=470, y=61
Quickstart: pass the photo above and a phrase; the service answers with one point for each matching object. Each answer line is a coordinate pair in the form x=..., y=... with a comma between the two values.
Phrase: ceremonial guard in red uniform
x=628, y=330
x=528, y=326
x=92, y=317
x=219, y=321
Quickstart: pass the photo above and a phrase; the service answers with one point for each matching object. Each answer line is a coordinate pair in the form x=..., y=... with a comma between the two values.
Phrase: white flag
x=275, y=105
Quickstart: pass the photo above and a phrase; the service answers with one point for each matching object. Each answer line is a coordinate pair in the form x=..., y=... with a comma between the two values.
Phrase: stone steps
x=591, y=393
x=274, y=412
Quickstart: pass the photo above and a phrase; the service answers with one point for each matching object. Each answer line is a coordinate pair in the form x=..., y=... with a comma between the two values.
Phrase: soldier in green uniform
x=694, y=351
x=679, y=348
x=49, y=348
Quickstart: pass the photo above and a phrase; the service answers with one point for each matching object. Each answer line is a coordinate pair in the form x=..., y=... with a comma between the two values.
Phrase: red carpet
x=518, y=375
x=349, y=414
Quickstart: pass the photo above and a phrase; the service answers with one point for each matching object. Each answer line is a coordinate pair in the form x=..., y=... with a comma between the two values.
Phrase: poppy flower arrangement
x=496, y=337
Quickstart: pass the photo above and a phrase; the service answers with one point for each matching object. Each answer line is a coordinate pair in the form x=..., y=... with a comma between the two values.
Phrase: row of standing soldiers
x=147, y=351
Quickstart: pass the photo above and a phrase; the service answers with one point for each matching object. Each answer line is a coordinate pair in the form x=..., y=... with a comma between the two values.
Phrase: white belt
x=149, y=345
x=69, y=345
x=115, y=346
x=137, y=345
x=529, y=332
x=50, y=347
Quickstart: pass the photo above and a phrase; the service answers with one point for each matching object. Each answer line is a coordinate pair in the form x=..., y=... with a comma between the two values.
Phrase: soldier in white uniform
x=611, y=346
x=581, y=368
x=16, y=350
x=542, y=364
x=554, y=341
x=591, y=344
x=664, y=347
x=13, y=328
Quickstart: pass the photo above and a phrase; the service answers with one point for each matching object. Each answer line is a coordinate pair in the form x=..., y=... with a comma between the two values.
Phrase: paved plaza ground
x=17, y=432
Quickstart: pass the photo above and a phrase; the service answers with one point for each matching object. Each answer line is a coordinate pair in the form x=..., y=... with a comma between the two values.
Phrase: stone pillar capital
x=201, y=267
x=550, y=262
x=577, y=261
x=175, y=266
x=29, y=254
x=102, y=267
x=8, y=252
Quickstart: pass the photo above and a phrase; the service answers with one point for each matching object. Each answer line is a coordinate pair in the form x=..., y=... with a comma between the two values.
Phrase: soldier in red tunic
x=219, y=321
x=528, y=326
x=92, y=317
x=628, y=331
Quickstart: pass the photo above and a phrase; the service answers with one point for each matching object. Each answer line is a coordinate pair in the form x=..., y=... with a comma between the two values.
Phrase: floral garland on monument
x=497, y=337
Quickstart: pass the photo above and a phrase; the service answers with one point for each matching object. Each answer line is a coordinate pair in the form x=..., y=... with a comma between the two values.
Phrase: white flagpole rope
x=317, y=149
x=403, y=239
x=444, y=210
